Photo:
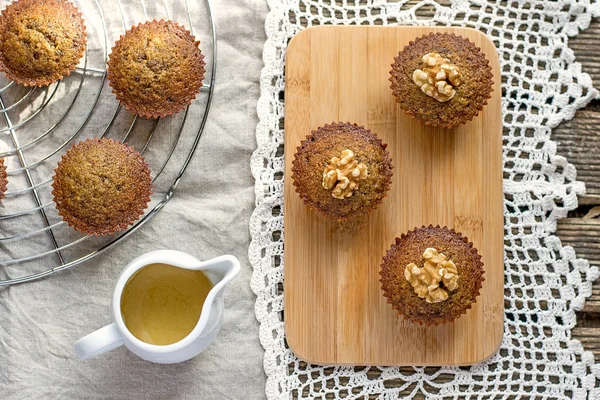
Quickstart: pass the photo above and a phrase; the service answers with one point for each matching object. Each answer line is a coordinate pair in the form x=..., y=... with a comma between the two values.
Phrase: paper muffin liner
x=183, y=102
x=304, y=186
x=143, y=182
x=413, y=101
x=400, y=294
x=3, y=179
x=15, y=7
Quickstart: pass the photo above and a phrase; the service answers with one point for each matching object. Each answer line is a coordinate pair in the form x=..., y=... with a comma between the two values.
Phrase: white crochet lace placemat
x=545, y=283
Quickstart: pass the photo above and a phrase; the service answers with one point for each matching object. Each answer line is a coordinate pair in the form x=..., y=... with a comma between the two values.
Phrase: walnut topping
x=343, y=174
x=438, y=78
x=435, y=279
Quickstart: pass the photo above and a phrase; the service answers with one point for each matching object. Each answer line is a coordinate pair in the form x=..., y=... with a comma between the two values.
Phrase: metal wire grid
x=31, y=103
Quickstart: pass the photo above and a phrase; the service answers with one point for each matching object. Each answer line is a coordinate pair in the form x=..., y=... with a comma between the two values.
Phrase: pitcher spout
x=221, y=270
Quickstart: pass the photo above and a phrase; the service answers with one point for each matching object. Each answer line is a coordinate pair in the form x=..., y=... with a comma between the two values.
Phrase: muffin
x=156, y=69
x=441, y=79
x=3, y=179
x=342, y=171
x=431, y=275
x=101, y=186
x=41, y=41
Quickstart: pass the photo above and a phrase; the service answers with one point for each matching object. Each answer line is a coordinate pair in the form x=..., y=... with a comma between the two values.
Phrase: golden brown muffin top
x=314, y=155
x=3, y=178
x=41, y=41
x=101, y=186
x=471, y=95
x=408, y=249
x=156, y=69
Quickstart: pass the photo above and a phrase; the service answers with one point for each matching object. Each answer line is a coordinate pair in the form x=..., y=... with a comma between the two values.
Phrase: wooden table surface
x=579, y=141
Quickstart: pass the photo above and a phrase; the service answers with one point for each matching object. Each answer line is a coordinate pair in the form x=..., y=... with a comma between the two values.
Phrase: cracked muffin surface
x=101, y=186
x=156, y=69
x=41, y=41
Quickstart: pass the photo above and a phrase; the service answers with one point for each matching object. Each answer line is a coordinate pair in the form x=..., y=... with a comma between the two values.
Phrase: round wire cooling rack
x=37, y=125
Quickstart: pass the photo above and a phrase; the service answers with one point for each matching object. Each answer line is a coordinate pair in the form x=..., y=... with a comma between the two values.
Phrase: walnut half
x=343, y=174
x=438, y=78
x=435, y=279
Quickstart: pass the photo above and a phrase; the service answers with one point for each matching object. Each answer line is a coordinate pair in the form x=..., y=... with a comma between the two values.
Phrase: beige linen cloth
x=207, y=217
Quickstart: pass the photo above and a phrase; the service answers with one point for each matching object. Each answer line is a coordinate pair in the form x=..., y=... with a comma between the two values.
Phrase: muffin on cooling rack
x=41, y=41
x=101, y=186
x=3, y=178
x=441, y=79
x=342, y=171
x=431, y=275
x=156, y=69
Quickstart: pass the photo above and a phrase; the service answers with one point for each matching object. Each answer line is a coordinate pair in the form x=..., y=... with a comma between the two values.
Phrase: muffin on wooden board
x=3, y=179
x=101, y=186
x=41, y=41
x=431, y=275
x=342, y=171
x=441, y=79
x=156, y=69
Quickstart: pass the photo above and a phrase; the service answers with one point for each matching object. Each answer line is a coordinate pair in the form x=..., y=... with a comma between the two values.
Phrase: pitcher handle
x=99, y=342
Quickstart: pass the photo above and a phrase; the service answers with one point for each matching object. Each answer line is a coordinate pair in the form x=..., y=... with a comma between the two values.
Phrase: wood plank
x=588, y=332
x=331, y=277
x=586, y=47
x=584, y=236
x=589, y=199
x=578, y=140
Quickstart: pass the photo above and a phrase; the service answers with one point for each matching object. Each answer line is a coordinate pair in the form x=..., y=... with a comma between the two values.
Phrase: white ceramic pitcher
x=220, y=270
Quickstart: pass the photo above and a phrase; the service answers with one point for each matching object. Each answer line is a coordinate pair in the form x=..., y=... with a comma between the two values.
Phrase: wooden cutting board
x=335, y=312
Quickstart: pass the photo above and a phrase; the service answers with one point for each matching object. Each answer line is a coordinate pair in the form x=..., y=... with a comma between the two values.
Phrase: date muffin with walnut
x=342, y=171
x=101, y=186
x=441, y=79
x=156, y=69
x=431, y=275
x=41, y=41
